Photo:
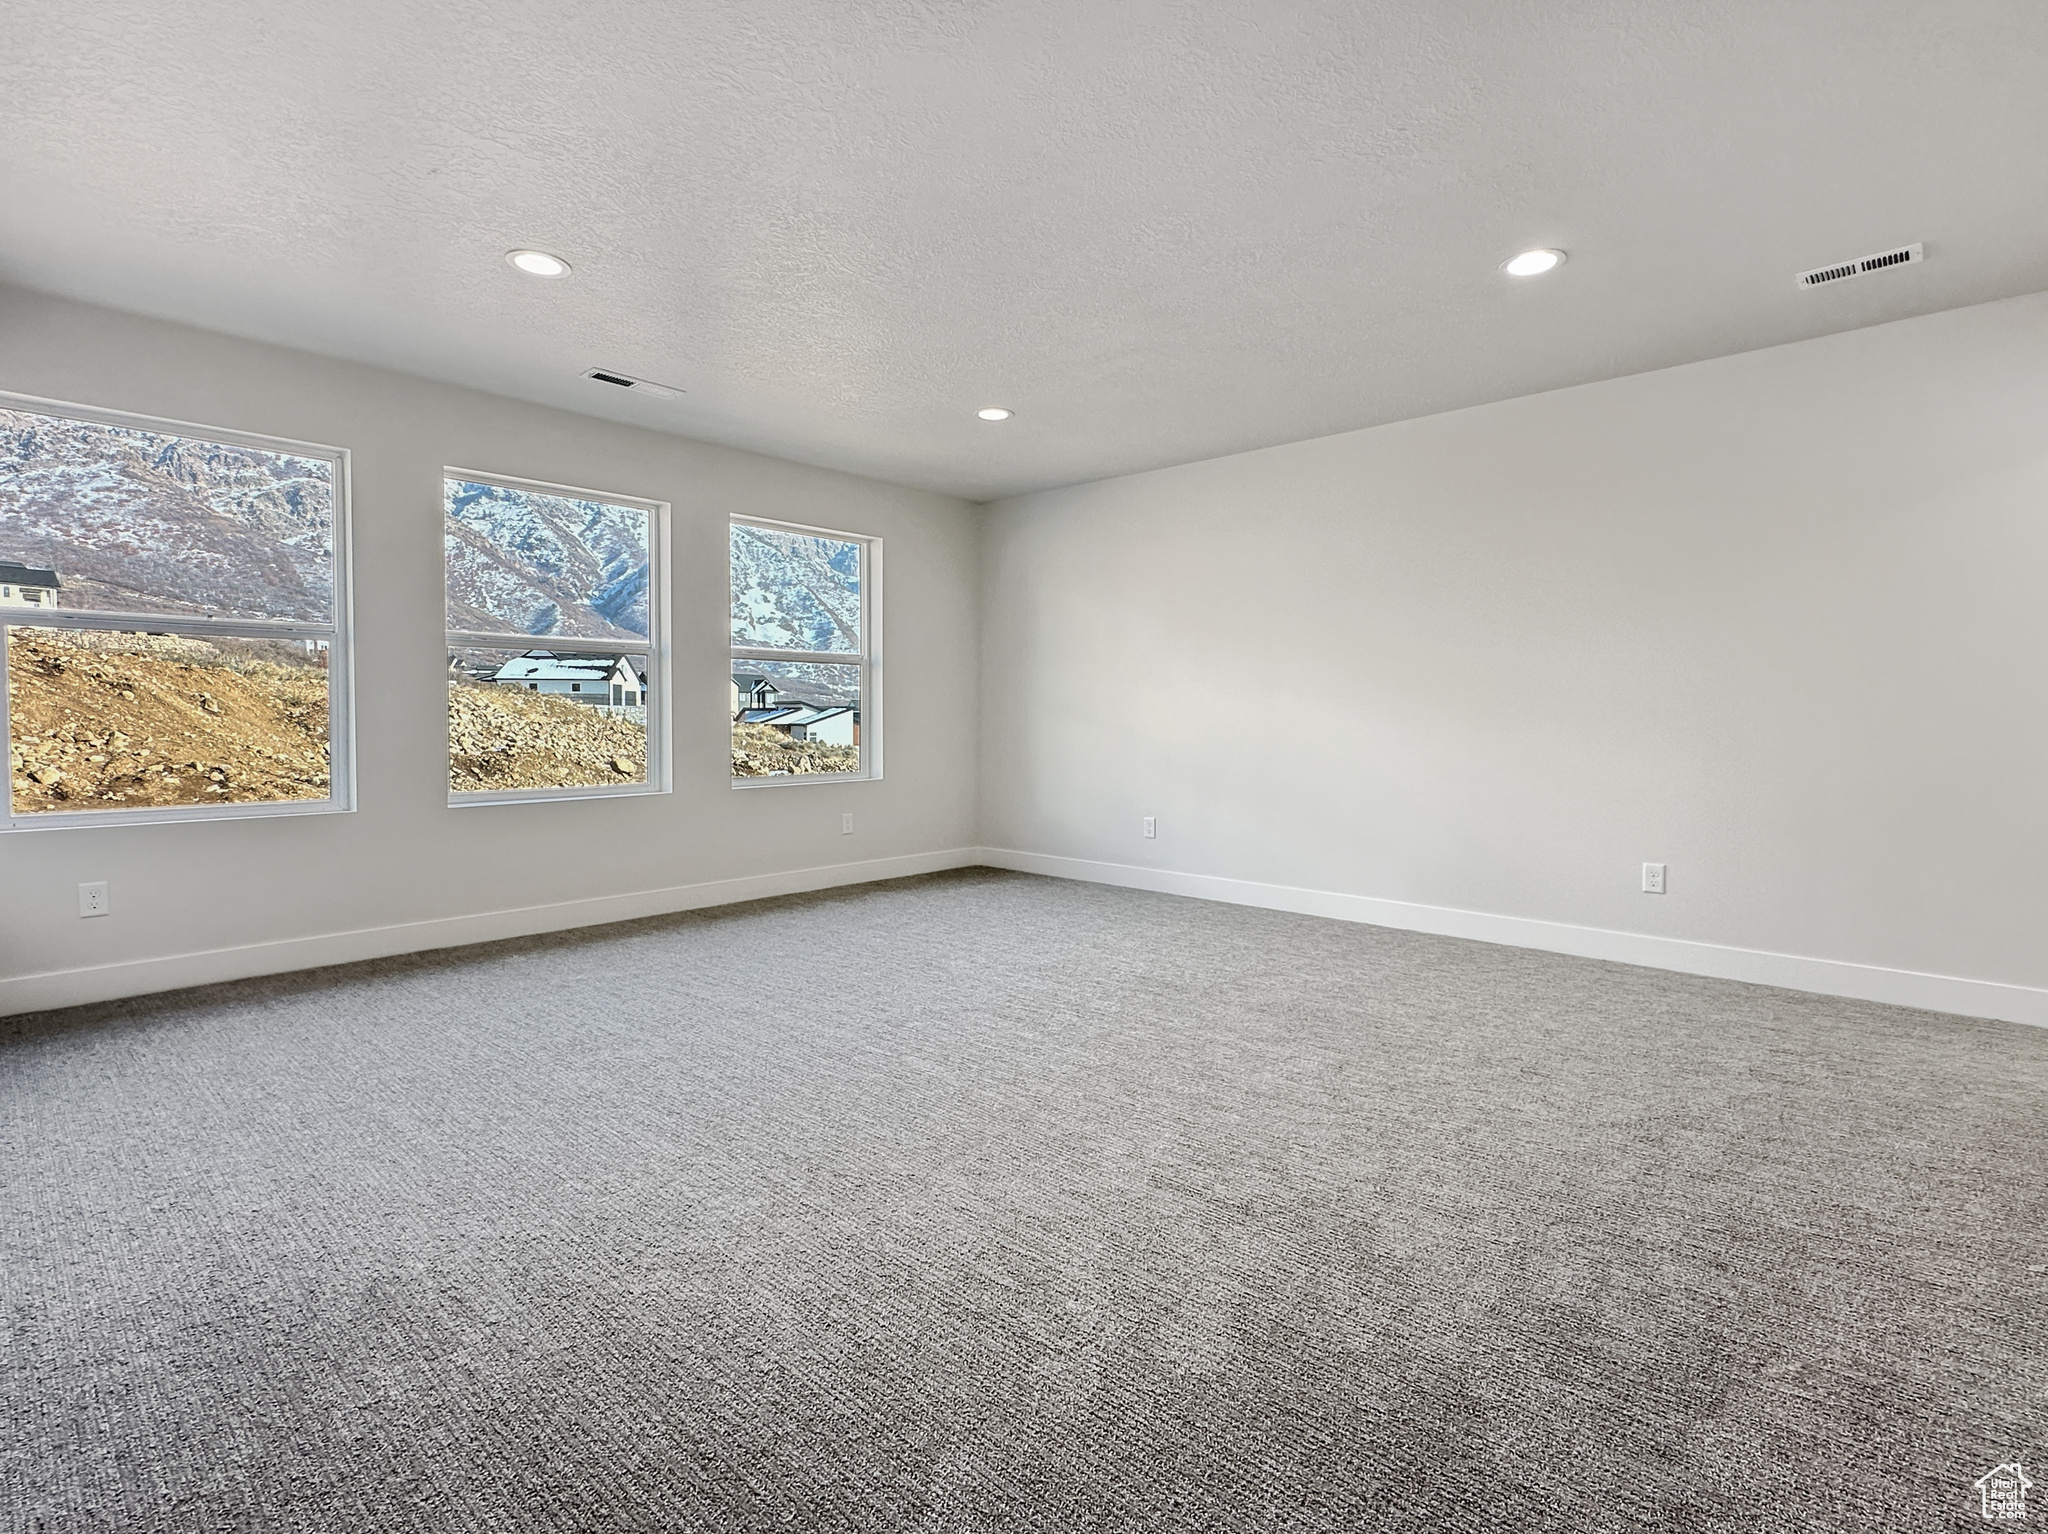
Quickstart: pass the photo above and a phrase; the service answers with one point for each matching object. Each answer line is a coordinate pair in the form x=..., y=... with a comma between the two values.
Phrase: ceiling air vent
x=1904, y=255
x=638, y=385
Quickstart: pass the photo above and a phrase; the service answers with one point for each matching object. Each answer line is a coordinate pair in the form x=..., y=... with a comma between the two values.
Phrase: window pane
x=794, y=592
x=536, y=719
x=139, y=521
x=525, y=563
x=103, y=721
x=793, y=718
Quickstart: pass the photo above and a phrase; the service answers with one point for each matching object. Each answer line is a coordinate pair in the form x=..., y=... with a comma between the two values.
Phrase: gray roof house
x=757, y=700
x=27, y=586
x=609, y=679
x=833, y=724
x=750, y=691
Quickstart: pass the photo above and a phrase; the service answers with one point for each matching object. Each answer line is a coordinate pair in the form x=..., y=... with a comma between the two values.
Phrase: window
x=552, y=593
x=805, y=662
x=174, y=619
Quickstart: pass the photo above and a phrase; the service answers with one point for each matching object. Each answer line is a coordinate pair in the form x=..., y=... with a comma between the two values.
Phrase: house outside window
x=174, y=615
x=806, y=654
x=556, y=656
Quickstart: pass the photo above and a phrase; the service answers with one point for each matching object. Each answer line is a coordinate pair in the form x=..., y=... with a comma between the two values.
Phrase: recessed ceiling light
x=1533, y=263
x=994, y=413
x=538, y=263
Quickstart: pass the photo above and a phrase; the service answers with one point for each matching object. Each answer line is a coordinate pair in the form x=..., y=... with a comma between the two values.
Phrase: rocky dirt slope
x=501, y=737
x=759, y=752
x=141, y=722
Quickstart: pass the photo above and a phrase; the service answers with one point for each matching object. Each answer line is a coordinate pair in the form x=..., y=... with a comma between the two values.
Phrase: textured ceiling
x=1159, y=231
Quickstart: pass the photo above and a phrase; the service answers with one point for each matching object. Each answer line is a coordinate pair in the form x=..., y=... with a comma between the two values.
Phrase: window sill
x=70, y=820
x=792, y=780
x=486, y=797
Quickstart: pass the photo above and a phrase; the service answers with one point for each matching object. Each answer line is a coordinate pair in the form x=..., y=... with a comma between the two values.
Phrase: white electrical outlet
x=1151, y=826
x=92, y=899
x=846, y=824
x=1653, y=878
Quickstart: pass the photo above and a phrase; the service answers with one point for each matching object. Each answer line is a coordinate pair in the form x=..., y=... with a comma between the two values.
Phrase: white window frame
x=869, y=658
x=654, y=648
x=341, y=763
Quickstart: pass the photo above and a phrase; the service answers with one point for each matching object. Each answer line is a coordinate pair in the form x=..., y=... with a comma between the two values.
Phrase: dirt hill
x=138, y=722
x=134, y=721
x=759, y=752
x=504, y=738
x=501, y=737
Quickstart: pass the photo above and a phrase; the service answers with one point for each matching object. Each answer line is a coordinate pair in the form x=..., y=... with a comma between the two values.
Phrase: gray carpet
x=988, y=1202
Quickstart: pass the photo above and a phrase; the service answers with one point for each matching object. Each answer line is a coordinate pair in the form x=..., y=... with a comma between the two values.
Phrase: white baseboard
x=136, y=977
x=1827, y=977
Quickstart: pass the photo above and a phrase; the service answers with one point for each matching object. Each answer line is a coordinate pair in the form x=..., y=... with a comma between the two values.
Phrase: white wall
x=274, y=893
x=1778, y=620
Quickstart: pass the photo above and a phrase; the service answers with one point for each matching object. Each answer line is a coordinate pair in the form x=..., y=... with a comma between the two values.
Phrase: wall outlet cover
x=1653, y=878
x=92, y=899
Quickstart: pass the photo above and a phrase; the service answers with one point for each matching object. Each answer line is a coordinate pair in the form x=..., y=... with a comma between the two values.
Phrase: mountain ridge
x=140, y=521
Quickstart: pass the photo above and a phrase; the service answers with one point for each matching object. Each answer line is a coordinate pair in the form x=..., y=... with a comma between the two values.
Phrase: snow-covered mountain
x=138, y=521
x=793, y=592
x=544, y=564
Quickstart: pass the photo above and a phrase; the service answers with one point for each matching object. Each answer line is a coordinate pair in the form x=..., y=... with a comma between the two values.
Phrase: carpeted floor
x=988, y=1202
